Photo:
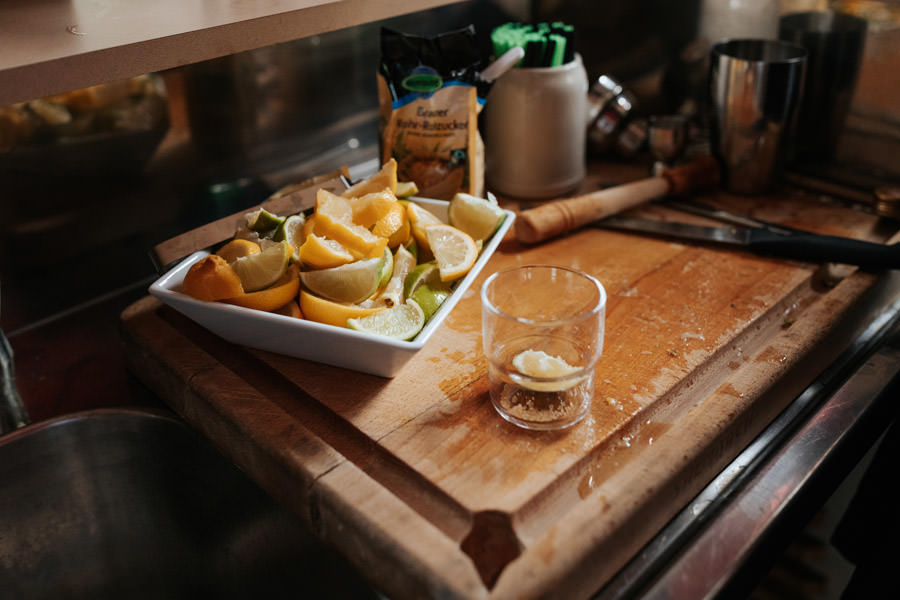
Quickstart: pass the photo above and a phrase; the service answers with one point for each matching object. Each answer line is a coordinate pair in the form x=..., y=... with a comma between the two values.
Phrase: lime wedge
x=291, y=231
x=259, y=271
x=413, y=248
x=424, y=273
x=263, y=222
x=351, y=283
x=430, y=298
x=479, y=217
x=401, y=322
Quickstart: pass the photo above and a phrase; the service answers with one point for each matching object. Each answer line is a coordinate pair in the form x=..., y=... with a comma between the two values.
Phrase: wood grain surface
x=431, y=494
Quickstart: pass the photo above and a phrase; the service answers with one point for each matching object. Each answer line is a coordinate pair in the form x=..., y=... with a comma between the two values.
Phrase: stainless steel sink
x=134, y=504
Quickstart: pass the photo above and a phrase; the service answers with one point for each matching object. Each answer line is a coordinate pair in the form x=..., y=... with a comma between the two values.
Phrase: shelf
x=53, y=46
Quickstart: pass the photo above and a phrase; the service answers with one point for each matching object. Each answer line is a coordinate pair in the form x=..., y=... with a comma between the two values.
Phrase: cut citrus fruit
x=273, y=297
x=539, y=364
x=386, y=268
x=291, y=231
x=321, y=310
x=413, y=247
x=211, y=278
x=393, y=225
x=334, y=220
x=455, y=251
x=368, y=209
x=401, y=322
x=291, y=309
x=350, y=283
x=322, y=253
x=479, y=217
x=421, y=219
x=405, y=189
x=259, y=271
x=263, y=222
x=402, y=234
x=238, y=248
x=309, y=227
x=383, y=215
x=386, y=177
x=430, y=298
x=403, y=263
x=421, y=274
x=333, y=207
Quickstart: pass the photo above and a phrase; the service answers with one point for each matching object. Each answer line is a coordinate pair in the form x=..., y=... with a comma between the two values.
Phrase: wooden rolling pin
x=560, y=216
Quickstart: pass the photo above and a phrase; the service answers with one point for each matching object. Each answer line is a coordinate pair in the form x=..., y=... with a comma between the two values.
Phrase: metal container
x=755, y=88
x=835, y=43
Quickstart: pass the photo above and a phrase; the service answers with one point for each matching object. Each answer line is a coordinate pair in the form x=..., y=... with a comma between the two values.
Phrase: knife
x=808, y=247
x=286, y=201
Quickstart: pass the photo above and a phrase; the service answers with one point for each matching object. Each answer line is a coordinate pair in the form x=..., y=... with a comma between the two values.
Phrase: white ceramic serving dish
x=310, y=340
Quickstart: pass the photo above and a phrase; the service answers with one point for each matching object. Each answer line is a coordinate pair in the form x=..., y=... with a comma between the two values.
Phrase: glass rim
x=754, y=50
x=587, y=314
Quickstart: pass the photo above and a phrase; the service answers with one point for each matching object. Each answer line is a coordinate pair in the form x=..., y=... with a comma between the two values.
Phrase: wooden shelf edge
x=58, y=62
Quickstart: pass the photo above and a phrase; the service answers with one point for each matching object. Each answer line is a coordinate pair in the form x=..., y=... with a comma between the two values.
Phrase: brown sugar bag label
x=429, y=100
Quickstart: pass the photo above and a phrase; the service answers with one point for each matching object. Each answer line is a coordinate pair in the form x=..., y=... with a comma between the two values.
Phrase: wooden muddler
x=560, y=216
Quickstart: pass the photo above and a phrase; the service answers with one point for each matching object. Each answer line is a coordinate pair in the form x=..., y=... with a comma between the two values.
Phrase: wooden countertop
x=430, y=493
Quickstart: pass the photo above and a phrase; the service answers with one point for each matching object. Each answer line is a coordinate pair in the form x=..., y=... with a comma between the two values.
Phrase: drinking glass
x=542, y=332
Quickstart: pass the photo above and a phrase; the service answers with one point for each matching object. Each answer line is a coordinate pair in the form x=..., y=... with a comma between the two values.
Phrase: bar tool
x=555, y=218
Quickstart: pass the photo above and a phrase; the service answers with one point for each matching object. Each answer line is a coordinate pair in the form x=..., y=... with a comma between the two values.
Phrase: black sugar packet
x=454, y=55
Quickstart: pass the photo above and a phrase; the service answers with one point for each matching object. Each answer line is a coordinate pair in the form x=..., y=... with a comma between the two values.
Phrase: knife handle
x=826, y=248
x=560, y=216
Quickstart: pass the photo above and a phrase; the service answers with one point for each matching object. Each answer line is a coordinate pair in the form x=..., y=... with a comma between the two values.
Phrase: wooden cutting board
x=431, y=494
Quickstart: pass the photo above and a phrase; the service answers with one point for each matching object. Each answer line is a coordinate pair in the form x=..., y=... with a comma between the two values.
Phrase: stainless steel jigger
x=667, y=138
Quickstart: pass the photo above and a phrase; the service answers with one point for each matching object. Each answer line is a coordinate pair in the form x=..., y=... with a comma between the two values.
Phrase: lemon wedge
x=279, y=294
x=454, y=250
x=238, y=248
x=386, y=177
x=321, y=310
x=479, y=217
x=539, y=364
x=405, y=189
x=420, y=220
x=321, y=253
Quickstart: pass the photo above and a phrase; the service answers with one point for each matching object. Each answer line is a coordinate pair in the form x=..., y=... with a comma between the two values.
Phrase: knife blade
x=807, y=247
